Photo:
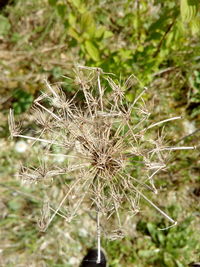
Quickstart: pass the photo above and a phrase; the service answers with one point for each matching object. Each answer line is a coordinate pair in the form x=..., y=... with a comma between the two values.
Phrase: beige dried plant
x=105, y=139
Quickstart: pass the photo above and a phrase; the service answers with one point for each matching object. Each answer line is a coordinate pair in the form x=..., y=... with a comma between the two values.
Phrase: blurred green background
x=156, y=40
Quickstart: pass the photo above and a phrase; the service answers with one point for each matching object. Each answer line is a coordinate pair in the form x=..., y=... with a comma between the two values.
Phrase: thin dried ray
x=143, y=184
x=101, y=91
x=128, y=186
x=130, y=82
x=94, y=69
x=51, y=89
x=163, y=121
x=118, y=92
x=47, y=110
x=172, y=148
x=61, y=203
x=67, y=156
x=38, y=139
x=85, y=190
x=155, y=165
x=139, y=96
x=156, y=207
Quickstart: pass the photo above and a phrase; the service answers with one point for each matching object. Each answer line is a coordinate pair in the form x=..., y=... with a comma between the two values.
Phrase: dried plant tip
x=13, y=128
x=45, y=214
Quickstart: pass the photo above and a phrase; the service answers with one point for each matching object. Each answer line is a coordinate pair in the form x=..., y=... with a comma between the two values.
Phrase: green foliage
x=190, y=14
x=189, y=9
x=14, y=204
x=195, y=94
x=4, y=25
x=52, y=2
x=57, y=72
x=92, y=50
x=22, y=101
x=152, y=247
x=118, y=38
x=196, y=81
x=95, y=34
x=172, y=247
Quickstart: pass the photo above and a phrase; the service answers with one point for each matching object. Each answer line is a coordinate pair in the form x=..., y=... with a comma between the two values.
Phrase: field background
x=158, y=41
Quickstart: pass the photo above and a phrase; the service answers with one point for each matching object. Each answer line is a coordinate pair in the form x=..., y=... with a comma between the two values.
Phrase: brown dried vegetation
x=104, y=141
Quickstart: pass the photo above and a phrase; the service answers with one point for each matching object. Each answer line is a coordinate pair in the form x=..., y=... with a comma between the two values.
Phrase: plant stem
x=98, y=238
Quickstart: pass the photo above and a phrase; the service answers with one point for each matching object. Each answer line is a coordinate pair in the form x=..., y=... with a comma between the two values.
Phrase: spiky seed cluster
x=104, y=140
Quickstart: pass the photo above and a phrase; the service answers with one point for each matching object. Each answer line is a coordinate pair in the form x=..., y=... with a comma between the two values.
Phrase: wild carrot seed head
x=104, y=140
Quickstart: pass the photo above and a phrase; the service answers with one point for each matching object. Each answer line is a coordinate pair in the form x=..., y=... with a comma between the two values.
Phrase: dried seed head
x=104, y=142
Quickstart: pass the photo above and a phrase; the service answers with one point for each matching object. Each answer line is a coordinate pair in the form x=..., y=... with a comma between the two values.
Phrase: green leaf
x=86, y=21
x=61, y=9
x=57, y=72
x=193, y=2
x=145, y=253
x=14, y=204
x=125, y=54
x=23, y=101
x=16, y=37
x=195, y=25
x=155, y=36
x=79, y=4
x=52, y=2
x=159, y=24
x=76, y=3
x=179, y=264
x=148, y=253
x=161, y=238
x=107, y=34
x=4, y=25
x=168, y=260
x=99, y=32
x=152, y=230
x=72, y=32
x=92, y=50
x=130, y=97
x=72, y=20
x=189, y=10
x=87, y=26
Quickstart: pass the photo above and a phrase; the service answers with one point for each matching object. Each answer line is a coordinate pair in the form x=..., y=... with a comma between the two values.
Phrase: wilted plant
x=104, y=140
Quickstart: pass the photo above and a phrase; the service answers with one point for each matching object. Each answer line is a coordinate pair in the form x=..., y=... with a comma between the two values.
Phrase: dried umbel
x=105, y=140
